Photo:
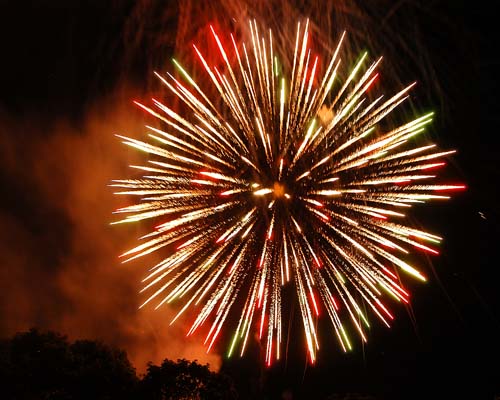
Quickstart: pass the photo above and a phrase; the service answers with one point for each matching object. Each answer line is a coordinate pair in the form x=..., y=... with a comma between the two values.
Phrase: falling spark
x=280, y=179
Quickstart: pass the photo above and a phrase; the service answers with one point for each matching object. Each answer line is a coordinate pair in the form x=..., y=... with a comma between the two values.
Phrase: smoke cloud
x=59, y=255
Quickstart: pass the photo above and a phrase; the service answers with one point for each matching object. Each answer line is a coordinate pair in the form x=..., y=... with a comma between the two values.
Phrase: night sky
x=68, y=74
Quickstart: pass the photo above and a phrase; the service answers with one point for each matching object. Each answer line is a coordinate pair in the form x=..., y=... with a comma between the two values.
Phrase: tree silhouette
x=45, y=365
x=185, y=380
x=36, y=365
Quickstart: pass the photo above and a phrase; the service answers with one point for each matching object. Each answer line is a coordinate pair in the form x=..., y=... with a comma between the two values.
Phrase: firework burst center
x=278, y=190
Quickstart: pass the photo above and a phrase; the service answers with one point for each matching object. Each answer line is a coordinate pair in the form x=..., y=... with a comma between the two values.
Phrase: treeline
x=46, y=365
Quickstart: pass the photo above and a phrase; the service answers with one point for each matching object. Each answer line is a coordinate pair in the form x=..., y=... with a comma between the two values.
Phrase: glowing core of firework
x=278, y=190
x=286, y=181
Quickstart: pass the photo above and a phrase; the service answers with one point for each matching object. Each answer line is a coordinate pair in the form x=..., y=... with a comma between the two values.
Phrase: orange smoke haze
x=59, y=255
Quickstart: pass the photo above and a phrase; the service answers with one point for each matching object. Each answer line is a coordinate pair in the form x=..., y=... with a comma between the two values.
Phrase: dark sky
x=68, y=73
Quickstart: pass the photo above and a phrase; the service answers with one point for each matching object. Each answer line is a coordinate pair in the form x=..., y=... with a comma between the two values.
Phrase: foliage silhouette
x=45, y=365
x=185, y=380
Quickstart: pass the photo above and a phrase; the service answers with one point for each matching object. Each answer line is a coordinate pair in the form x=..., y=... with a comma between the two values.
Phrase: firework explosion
x=290, y=181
